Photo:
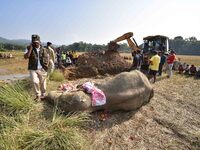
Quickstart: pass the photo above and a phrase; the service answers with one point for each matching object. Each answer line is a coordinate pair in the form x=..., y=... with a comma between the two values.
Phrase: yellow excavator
x=151, y=43
x=156, y=42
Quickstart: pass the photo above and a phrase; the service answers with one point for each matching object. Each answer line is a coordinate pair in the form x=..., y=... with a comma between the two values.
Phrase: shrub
x=56, y=76
x=61, y=134
x=52, y=139
x=14, y=99
x=18, y=132
x=8, y=141
x=7, y=122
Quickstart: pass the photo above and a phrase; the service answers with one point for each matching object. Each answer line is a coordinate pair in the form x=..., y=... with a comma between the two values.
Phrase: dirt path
x=170, y=121
x=12, y=77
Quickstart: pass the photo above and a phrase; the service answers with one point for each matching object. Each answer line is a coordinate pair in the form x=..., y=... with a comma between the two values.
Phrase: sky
x=98, y=21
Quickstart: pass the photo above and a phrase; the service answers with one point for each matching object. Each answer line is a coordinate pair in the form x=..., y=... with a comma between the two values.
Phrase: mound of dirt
x=98, y=63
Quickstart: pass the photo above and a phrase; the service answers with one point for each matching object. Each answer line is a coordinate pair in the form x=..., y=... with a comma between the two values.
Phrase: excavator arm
x=132, y=43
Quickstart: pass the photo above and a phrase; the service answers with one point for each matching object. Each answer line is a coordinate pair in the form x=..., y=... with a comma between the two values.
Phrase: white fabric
x=88, y=86
x=98, y=96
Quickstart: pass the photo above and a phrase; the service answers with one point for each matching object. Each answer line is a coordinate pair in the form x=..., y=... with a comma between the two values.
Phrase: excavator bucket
x=113, y=46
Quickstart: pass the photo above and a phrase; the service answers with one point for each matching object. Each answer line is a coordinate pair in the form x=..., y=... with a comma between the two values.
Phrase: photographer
x=37, y=66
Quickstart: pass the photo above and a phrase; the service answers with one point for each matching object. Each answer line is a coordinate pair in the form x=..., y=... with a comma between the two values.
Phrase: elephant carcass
x=125, y=91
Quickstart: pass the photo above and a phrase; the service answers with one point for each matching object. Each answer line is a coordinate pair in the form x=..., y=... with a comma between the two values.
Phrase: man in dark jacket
x=162, y=62
x=137, y=60
x=37, y=66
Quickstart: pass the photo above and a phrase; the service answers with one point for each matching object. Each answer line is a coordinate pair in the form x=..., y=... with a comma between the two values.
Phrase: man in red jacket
x=170, y=61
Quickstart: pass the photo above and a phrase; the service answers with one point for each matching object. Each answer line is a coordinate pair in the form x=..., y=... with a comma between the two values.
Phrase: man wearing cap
x=51, y=53
x=37, y=66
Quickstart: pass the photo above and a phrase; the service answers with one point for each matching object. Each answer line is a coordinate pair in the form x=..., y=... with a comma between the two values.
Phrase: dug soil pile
x=98, y=63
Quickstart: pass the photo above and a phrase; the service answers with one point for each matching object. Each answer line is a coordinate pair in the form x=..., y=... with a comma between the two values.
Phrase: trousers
x=170, y=66
x=38, y=77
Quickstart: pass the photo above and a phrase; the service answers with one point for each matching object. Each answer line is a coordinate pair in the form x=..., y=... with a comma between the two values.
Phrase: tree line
x=85, y=47
x=9, y=46
x=187, y=46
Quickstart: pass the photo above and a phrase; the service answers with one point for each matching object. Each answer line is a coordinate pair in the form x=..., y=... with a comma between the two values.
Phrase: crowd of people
x=59, y=57
x=187, y=69
x=153, y=66
x=65, y=59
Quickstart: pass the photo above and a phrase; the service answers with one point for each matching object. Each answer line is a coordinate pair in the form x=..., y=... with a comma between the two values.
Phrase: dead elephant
x=125, y=91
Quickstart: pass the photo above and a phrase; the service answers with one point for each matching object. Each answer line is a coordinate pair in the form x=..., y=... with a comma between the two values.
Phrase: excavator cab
x=157, y=42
